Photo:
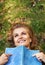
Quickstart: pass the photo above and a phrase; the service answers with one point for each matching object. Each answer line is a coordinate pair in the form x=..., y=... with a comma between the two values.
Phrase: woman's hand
x=4, y=58
x=40, y=56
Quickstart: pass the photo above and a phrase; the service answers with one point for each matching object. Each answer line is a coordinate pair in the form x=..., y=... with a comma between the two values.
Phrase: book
x=22, y=56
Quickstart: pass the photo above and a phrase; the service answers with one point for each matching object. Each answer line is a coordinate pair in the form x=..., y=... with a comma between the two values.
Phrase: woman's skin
x=4, y=58
x=21, y=37
x=40, y=56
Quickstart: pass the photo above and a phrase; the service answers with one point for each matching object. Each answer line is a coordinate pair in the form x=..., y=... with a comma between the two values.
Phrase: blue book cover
x=22, y=56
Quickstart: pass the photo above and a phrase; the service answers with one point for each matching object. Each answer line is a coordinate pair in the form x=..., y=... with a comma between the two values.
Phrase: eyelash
x=24, y=33
x=16, y=35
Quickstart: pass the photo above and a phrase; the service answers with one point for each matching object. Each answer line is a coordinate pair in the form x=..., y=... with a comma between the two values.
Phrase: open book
x=22, y=56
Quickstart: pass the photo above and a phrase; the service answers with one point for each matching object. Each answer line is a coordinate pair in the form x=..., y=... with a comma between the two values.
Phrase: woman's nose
x=20, y=36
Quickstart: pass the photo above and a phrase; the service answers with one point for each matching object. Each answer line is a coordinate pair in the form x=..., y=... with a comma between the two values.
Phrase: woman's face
x=21, y=37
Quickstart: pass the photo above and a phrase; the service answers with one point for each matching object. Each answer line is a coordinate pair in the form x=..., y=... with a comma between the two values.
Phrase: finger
x=8, y=55
x=39, y=59
x=37, y=54
x=34, y=55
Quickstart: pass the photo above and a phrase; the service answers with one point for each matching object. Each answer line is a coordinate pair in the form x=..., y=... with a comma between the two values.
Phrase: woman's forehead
x=20, y=29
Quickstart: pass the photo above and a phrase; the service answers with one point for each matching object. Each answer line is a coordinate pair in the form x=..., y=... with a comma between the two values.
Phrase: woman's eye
x=23, y=33
x=16, y=35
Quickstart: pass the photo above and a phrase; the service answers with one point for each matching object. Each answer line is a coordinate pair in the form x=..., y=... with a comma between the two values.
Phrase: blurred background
x=29, y=11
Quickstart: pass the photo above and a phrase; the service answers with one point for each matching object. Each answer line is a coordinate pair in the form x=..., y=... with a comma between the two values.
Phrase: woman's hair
x=31, y=34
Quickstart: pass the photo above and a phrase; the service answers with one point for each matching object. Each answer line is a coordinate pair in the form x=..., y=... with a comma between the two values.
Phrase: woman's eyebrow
x=15, y=34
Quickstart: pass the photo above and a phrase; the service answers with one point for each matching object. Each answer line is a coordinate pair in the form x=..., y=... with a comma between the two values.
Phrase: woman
x=22, y=34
